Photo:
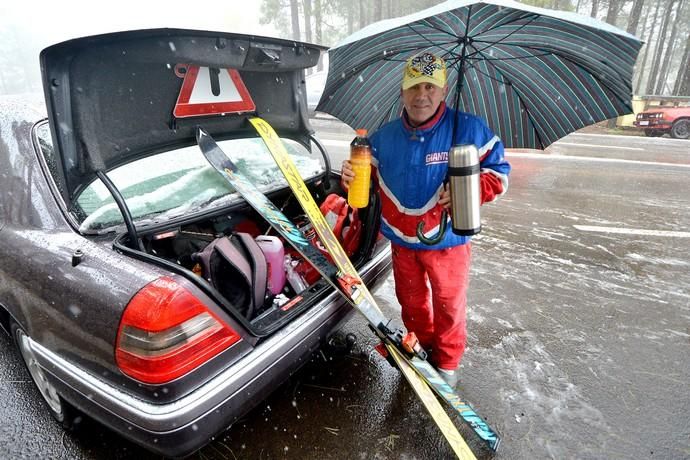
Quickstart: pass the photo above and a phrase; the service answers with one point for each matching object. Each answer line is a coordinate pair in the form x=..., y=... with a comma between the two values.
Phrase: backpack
x=236, y=267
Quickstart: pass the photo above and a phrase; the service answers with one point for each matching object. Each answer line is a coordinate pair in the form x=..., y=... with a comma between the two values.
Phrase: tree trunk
x=661, y=42
x=666, y=62
x=317, y=29
x=378, y=8
x=294, y=12
x=611, y=17
x=396, y=8
x=645, y=24
x=635, y=13
x=644, y=31
x=362, y=14
x=643, y=62
x=350, y=17
x=612, y=12
x=595, y=8
x=307, y=20
x=682, y=86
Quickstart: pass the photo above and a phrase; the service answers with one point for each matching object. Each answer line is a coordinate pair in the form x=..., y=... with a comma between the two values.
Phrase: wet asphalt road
x=579, y=333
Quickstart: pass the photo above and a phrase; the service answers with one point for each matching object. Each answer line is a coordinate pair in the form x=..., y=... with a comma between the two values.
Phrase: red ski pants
x=431, y=286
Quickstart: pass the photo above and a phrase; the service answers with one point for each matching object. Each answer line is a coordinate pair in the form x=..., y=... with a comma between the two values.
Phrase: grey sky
x=34, y=25
x=51, y=22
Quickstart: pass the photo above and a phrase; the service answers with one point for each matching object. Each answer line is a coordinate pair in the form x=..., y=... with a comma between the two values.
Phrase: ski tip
x=200, y=133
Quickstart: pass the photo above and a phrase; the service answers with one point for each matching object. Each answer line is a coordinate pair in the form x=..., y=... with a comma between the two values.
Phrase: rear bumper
x=185, y=425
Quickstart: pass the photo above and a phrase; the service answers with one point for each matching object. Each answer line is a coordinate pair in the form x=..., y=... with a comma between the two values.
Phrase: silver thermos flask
x=463, y=175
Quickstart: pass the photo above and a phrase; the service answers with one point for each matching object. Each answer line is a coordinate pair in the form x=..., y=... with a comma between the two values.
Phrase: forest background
x=663, y=67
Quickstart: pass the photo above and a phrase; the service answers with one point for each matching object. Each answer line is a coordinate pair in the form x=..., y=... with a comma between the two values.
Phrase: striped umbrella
x=535, y=75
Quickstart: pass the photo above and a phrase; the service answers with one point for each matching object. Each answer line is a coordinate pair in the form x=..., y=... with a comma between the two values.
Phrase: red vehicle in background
x=657, y=121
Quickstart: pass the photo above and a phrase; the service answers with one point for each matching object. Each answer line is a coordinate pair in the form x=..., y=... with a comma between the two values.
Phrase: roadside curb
x=625, y=136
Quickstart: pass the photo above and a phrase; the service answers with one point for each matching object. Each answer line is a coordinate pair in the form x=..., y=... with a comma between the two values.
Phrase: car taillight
x=166, y=331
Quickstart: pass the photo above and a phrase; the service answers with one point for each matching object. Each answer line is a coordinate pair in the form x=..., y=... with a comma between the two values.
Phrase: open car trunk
x=178, y=249
x=124, y=110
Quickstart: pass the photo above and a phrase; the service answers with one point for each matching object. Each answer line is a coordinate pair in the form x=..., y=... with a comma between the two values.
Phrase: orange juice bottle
x=360, y=158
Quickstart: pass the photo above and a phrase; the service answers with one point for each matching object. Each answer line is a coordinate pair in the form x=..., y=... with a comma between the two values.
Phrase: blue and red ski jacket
x=410, y=165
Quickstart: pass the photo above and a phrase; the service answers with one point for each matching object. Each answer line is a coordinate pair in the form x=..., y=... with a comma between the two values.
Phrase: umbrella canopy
x=535, y=75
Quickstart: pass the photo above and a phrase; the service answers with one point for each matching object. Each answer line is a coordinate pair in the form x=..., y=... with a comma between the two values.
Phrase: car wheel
x=58, y=407
x=652, y=133
x=681, y=129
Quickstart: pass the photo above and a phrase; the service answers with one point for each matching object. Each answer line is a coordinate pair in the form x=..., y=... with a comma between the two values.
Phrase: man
x=410, y=163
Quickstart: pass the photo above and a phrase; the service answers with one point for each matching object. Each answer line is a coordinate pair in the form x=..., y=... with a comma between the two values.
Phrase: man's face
x=422, y=100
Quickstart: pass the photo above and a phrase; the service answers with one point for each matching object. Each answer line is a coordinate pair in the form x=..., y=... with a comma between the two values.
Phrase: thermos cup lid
x=463, y=155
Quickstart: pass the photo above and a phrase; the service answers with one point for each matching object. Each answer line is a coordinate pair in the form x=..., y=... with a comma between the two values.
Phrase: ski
x=351, y=289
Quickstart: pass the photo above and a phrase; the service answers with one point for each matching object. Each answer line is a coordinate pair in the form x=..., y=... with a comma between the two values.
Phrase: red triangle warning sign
x=211, y=91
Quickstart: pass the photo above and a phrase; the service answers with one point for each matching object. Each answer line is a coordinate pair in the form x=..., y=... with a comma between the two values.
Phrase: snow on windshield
x=182, y=181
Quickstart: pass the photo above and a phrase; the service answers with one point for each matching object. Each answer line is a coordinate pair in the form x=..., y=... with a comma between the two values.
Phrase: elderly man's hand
x=348, y=174
x=444, y=197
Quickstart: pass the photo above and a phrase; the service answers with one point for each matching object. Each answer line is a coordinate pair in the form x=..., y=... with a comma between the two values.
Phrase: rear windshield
x=181, y=182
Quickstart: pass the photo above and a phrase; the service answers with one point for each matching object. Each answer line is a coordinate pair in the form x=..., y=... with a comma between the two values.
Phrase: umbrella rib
x=565, y=57
x=584, y=69
x=370, y=60
x=529, y=116
x=534, y=16
x=490, y=44
x=546, y=52
x=484, y=58
x=435, y=27
x=402, y=50
x=455, y=57
x=430, y=42
x=506, y=81
x=477, y=69
x=387, y=117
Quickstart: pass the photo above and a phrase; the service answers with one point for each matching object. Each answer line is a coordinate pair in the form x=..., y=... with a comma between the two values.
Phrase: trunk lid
x=119, y=97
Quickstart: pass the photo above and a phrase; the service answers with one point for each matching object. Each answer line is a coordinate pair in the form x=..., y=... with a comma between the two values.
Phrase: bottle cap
x=361, y=132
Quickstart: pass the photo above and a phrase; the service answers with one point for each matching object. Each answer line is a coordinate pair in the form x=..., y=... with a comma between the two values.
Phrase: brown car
x=108, y=210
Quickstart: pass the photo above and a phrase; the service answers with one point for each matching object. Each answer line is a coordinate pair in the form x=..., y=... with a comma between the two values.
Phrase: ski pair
x=419, y=373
